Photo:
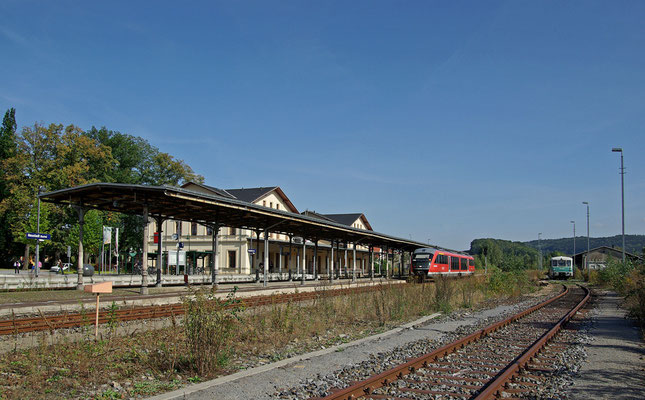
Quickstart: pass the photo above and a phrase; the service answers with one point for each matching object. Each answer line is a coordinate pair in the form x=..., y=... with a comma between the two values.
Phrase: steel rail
x=76, y=319
x=366, y=387
x=495, y=388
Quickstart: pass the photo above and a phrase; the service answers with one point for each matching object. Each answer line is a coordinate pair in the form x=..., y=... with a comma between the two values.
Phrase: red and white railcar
x=430, y=261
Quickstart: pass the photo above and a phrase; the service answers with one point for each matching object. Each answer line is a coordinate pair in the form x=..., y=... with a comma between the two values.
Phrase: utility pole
x=622, y=192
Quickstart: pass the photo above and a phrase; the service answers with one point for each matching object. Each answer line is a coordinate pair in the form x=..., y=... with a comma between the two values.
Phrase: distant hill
x=510, y=255
x=633, y=244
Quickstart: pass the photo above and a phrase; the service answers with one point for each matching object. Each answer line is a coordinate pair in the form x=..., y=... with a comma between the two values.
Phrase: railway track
x=507, y=359
x=71, y=320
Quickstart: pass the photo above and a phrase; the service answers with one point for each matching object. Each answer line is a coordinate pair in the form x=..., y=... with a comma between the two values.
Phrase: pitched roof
x=208, y=189
x=250, y=194
x=609, y=249
x=317, y=216
x=348, y=219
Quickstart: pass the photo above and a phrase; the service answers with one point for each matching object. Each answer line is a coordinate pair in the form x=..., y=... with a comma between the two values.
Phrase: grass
x=145, y=363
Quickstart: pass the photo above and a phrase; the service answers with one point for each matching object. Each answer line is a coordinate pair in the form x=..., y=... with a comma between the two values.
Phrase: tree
x=53, y=157
x=7, y=150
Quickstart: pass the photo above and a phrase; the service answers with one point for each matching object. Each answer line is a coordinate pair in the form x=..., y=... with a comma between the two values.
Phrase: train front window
x=422, y=256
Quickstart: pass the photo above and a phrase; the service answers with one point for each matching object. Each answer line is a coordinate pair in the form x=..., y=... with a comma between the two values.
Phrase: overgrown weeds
x=628, y=280
x=209, y=325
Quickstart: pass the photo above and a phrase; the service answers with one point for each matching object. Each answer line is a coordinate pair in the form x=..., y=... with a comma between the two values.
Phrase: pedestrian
x=16, y=266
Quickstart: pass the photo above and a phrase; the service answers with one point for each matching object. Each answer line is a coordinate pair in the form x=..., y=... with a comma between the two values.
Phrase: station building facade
x=241, y=251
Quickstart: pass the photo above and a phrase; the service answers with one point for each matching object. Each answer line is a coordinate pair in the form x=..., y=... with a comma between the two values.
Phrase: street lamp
x=587, y=258
x=622, y=191
x=540, y=250
x=574, y=242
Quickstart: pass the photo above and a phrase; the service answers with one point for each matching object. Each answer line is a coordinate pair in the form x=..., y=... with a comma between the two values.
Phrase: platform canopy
x=169, y=202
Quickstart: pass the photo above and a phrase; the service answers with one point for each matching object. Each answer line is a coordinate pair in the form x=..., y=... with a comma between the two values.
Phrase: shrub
x=209, y=326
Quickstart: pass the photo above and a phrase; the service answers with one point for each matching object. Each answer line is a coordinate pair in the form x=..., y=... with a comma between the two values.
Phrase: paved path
x=615, y=367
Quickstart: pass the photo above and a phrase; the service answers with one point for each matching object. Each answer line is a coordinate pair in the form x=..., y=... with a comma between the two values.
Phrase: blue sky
x=440, y=120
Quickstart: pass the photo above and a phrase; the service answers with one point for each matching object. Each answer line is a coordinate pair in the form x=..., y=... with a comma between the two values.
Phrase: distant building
x=599, y=257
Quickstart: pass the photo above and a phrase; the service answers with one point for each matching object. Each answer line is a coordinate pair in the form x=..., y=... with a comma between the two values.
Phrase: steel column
x=331, y=275
x=159, y=222
x=371, y=263
x=354, y=263
x=81, y=223
x=215, y=243
x=304, y=260
x=266, y=258
x=316, y=260
x=144, y=256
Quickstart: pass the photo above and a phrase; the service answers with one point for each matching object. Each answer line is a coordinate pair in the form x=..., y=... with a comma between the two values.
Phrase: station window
x=193, y=228
x=277, y=206
x=209, y=230
x=178, y=228
x=231, y=231
x=271, y=204
x=232, y=257
x=264, y=203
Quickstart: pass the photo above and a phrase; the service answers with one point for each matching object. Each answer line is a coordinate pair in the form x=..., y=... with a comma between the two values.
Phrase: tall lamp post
x=38, y=232
x=622, y=191
x=587, y=258
x=574, y=242
x=540, y=250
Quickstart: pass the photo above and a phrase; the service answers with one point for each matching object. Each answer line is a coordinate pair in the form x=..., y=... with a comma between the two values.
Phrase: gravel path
x=615, y=364
x=312, y=374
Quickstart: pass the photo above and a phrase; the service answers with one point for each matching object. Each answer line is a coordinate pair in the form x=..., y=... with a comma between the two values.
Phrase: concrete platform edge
x=181, y=393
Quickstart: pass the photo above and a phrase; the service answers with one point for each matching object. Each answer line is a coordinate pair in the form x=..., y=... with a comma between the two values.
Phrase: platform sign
x=251, y=251
x=180, y=245
x=172, y=257
x=41, y=236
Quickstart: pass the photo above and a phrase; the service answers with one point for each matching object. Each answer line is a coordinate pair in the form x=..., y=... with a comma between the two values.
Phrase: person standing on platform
x=16, y=266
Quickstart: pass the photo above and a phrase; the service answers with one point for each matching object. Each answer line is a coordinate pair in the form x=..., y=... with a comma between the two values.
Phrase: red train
x=430, y=261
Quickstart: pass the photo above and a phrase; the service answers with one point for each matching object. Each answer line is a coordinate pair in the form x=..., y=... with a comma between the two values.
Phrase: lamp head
x=617, y=149
x=585, y=202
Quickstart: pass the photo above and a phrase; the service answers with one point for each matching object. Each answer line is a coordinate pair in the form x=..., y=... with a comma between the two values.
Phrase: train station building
x=233, y=234
x=241, y=251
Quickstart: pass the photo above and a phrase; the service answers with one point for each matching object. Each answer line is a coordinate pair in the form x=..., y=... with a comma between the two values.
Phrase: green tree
x=7, y=151
x=53, y=157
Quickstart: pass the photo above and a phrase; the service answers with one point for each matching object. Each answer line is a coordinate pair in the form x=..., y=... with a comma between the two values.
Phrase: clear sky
x=440, y=120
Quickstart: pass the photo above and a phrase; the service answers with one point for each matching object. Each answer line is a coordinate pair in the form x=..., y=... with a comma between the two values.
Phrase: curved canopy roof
x=169, y=202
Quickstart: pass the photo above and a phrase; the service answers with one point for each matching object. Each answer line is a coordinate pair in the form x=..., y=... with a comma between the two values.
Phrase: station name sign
x=41, y=236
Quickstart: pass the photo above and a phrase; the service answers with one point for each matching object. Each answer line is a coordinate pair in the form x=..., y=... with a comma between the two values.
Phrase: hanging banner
x=107, y=234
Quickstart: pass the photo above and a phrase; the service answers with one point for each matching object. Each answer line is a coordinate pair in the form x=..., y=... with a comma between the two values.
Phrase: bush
x=209, y=326
x=634, y=287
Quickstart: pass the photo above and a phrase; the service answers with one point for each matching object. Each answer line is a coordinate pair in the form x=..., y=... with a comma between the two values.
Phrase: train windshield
x=560, y=263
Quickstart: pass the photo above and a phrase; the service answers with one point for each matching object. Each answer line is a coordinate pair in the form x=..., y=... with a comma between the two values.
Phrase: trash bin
x=88, y=270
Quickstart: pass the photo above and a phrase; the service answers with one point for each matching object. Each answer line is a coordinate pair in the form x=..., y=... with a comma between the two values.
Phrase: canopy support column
x=304, y=260
x=316, y=260
x=371, y=263
x=144, y=255
x=266, y=259
x=215, y=258
x=159, y=222
x=331, y=274
x=354, y=263
x=81, y=223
